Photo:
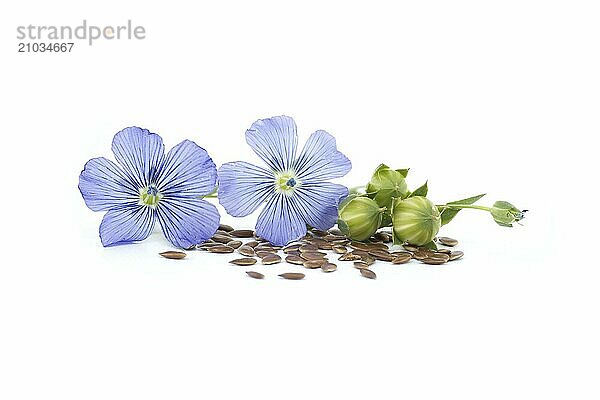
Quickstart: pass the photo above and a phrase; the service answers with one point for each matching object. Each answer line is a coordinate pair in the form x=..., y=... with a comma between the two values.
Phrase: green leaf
x=403, y=172
x=420, y=191
x=447, y=214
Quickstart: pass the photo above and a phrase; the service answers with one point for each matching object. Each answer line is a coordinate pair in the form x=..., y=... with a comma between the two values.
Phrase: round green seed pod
x=359, y=218
x=415, y=220
x=505, y=214
x=386, y=185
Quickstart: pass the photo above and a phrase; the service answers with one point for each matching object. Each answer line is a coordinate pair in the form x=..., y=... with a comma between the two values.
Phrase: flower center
x=286, y=182
x=150, y=196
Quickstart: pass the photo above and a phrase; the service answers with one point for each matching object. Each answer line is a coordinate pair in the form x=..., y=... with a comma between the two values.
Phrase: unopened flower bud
x=415, y=220
x=505, y=214
x=386, y=184
x=359, y=218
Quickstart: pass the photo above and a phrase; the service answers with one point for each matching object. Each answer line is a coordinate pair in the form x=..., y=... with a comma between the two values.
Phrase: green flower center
x=286, y=182
x=150, y=196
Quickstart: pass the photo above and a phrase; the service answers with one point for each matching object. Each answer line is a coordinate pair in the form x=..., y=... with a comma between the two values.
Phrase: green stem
x=210, y=196
x=461, y=206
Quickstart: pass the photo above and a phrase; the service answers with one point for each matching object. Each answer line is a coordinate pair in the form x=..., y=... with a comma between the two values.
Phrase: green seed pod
x=386, y=184
x=505, y=213
x=359, y=218
x=415, y=220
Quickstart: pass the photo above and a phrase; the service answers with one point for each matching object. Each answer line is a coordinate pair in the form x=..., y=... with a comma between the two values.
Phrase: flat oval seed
x=263, y=253
x=173, y=255
x=332, y=238
x=360, y=264
x=378, y=246
x=242, y=233
x=383, y=237
x=221, y=238
x=455, y=255
x=349, y=257
x=323, y=245
x=410, y=247
x=420, y=255
x=252, y=243
x=434, y=261
x=292, y=276
x=401, y=258
x=367, y=273
x=381, y=255
x=294, y=259
x=244, y=261
x=234, y=243
x=207, y=245
x=221, y=249
x=255, y=275
x=313, y=264
x=318, y=232
x=308, y=247
x=339, y=249
x=360, y=253
x=400, y=252
x=313, y=255
x=359, y=246
x=438, y=256
x=271, y=259
x=367, y=259
x=291, y=248
x=328, y=267
x=225, y=228
x=446, y=241
x=262, y=247
x=445, y=251
x=247, y=251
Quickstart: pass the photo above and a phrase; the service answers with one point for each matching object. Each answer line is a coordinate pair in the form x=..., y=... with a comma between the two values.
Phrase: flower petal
x=126, y=224
x=186, y=171
x=318, y=203
x=320, y=160
x=186, y=221
x=139, y=152
x=104, y=185
x=243, y=187
x=275, y=141
x=279, y=222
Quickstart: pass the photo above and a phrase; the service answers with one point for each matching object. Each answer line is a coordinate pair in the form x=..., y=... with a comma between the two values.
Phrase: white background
x=476, y=96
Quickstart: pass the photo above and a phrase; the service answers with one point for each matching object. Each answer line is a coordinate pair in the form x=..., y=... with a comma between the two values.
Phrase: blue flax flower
x=295, y=189
x=147, y=185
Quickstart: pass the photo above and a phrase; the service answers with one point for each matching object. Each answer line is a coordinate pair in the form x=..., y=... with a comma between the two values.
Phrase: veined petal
x=126, y=224
x=187, y=221
x=280, y=222
x=320, y=160
x=104, y=185
x=139, y=152
x=275, y=141
x=186, y=171
x=243, y=187
x=318, y=203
